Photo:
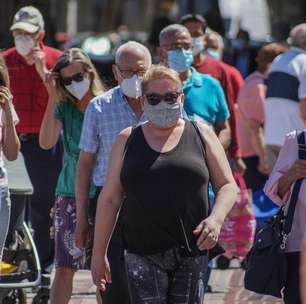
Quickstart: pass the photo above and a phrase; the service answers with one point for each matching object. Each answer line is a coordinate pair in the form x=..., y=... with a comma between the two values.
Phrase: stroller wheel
x=16, y=296
x=42, y=296
x=223, y=262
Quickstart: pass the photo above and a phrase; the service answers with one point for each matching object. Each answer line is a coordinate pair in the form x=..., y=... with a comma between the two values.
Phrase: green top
x=72, y=120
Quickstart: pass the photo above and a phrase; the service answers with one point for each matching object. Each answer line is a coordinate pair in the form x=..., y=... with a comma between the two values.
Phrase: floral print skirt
x=66, y=253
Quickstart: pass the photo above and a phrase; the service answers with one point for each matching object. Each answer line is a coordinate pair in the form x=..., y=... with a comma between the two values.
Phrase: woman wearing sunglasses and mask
x=72, y=84
x=159, y=173
x=9, y=146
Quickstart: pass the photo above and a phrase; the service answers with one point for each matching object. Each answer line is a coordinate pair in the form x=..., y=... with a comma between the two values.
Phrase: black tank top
x=166, y=193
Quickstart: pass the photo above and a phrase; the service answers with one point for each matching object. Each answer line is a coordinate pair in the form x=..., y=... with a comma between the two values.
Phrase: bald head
x=134, y=49
x=171, y=31
x=298, y=36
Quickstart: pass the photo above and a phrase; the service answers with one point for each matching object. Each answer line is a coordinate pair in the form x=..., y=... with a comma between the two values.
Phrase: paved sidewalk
x=227, y=289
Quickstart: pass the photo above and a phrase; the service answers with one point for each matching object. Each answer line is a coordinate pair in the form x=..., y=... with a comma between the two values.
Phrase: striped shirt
x=286, y=86
x=106, y=116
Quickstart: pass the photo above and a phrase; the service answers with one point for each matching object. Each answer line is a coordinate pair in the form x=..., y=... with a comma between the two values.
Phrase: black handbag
x=266, y=264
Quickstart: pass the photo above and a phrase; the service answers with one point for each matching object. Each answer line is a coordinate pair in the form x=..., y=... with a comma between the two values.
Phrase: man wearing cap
x=205, y=64
x=28, y=63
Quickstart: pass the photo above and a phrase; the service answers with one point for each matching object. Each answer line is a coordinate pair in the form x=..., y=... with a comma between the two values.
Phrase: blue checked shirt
x=106, y=116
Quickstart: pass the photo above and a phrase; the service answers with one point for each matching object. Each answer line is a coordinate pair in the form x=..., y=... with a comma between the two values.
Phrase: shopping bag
x=238, y=230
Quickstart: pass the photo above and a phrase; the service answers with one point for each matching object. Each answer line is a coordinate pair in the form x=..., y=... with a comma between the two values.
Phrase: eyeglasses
x=76, y=77
x=129, y=73
x=170, y=98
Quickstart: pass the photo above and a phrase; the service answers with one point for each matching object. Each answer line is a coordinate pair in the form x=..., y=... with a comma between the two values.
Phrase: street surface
x=227, y=288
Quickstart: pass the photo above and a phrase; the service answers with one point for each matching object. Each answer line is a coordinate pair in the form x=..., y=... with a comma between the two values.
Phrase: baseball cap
x=28, y=19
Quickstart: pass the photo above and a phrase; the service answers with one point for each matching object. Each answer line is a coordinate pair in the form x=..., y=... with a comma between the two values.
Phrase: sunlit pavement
x=227, y=288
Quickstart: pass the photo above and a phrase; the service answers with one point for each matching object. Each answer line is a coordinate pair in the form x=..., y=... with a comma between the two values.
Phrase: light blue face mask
x=213, y=53
x=180, y=60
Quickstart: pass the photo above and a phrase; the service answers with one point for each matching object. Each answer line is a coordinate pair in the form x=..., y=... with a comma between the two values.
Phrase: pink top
x=250, y=107
x=287, y=157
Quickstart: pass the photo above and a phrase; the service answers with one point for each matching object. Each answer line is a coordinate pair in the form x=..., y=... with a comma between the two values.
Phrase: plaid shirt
x=28, y=90
x=106, y=116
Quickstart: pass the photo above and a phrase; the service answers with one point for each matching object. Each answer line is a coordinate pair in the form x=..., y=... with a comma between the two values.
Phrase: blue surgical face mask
x=213, y=53
x=180, y=60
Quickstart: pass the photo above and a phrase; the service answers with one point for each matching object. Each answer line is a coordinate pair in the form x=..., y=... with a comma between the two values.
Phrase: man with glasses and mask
x=105, y=117
x=204, y=97
x=229, y=78
x=28, y=64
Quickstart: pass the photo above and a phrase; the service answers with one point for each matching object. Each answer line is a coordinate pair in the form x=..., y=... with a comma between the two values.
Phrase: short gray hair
x=131, y=45
x=172, y=29
x=298, y=36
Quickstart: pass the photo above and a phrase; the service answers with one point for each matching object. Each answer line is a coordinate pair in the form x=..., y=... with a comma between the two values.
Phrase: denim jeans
x=167, y=278
x=5, y=210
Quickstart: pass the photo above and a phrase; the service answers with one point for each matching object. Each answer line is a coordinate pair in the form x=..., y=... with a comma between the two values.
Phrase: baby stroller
x=20, y=266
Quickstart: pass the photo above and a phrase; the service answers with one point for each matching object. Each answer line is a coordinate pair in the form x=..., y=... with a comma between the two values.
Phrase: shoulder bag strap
x=297, y=186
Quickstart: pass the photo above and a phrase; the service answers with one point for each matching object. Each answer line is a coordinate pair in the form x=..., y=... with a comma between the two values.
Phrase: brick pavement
x=227, y=289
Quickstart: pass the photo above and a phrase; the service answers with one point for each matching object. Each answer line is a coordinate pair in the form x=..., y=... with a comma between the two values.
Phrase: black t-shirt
x=166, y=193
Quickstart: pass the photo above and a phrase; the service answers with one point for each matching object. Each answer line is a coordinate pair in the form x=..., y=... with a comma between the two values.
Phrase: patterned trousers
x=166, y=278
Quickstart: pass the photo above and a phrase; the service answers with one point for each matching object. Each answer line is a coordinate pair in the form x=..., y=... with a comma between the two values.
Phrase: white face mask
x=131, y=87
x=24, y=44
x=78, y=89
x=197, y=45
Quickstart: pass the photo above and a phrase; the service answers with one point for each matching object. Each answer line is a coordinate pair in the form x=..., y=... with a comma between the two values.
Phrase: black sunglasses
x=170, y=98
x=76, y=77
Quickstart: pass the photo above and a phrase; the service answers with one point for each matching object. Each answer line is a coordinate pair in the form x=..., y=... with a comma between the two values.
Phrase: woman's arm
x=224, y=186
x=51, y=127
x=257, y=139
x=109, y=203
x=286, y=171
x=10, y=142
x=297, y=171
x=223, y=131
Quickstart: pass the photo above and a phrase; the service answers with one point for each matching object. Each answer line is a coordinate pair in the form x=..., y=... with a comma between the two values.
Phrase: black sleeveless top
x=166, y=193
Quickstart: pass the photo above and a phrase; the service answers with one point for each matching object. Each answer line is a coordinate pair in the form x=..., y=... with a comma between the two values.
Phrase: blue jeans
x=5, y=210
x=166, y=278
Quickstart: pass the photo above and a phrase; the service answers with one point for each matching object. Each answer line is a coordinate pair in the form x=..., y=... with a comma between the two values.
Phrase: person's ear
x=41, y=36
x=182, y=99
x=142, y=101
x=115, y=72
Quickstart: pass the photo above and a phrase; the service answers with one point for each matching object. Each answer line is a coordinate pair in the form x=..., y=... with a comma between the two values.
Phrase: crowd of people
x=141, y=176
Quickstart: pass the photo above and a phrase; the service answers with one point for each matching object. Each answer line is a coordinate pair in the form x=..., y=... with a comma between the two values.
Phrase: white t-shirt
x=286, y=86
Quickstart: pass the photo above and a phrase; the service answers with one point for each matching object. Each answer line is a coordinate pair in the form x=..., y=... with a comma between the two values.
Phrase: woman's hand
x=263, y=166
x=100, y=271
x=50, y=84
x=83, y=234
x=298, y=170
x=208, y=232
x=6, y=97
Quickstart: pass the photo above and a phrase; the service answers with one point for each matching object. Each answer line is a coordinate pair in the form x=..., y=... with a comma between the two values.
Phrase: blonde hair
x=77, y=55
x=160, y=72
x=4, y=76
